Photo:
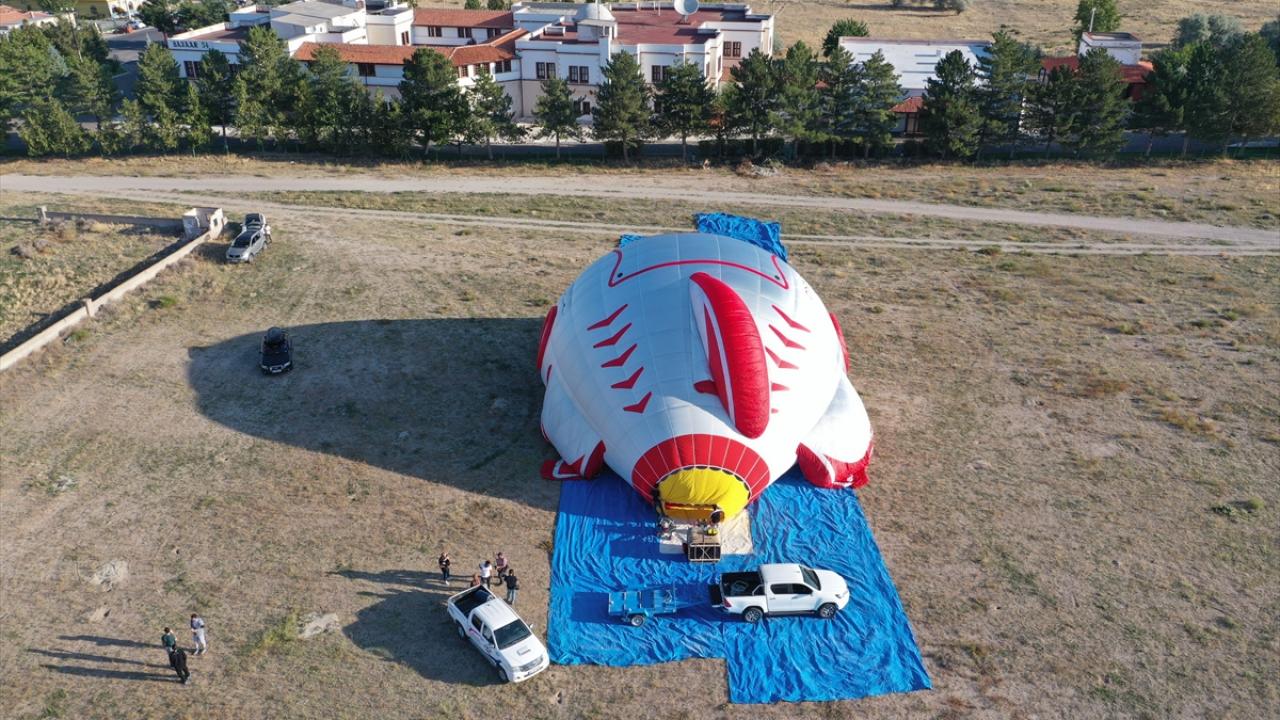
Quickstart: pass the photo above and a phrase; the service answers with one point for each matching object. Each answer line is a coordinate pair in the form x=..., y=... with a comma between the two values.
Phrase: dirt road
x=1212, y=239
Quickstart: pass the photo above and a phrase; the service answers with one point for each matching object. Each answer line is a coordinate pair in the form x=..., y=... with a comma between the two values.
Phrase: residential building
x=1124, y=47
x=915, y=62
x=519, y=47
x=12, y=18
x=92, y=9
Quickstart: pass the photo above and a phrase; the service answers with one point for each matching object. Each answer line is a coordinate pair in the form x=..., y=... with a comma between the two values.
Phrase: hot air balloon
x=700, y=368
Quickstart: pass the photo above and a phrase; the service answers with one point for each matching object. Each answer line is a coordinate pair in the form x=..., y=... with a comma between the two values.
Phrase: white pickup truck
x=781, y=589
x=498, y=633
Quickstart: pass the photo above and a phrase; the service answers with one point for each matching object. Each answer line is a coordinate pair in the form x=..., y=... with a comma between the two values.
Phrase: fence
x=209, y=221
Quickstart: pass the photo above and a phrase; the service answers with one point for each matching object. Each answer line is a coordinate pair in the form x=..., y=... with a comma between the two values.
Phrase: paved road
x=1158, y=235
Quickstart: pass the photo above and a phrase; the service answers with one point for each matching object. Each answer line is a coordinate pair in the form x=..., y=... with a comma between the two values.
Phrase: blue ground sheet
x=605, y=540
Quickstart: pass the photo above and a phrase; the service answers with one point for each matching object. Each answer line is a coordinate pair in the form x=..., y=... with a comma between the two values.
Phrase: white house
x=12, y=18
x=519, y=48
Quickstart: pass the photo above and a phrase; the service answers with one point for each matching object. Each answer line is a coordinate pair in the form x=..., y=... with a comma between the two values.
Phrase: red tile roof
x=910, y=105
x=453, y=17
x=1132, y=74
x=667, y=28
x=14, y=16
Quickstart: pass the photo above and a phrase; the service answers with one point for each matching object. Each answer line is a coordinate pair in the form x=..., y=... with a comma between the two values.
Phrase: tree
x=848, y=27
x=872, y=113
x=433, y=106
x=48, y=129
x=554, y=112
x=196, y=129
x=841, y=82
x=30, y=68
x=473, y=5
x=389, y=132
x=1051, y=107
x=1252, y=83
x=1217, y=30
x=160, y=15
x=491, y=113
x=1271, y=33
x=498, y=5
x=949, y=116
x=90, y=89
x=324, y=105
x=799, y=111
x=1159, y=112
x=621, y=113
x=754, y=102
x=1096, y=15
x=1100, y=104
x=158, y=95
x=200, y=13
x=682, y=105
x=133, y=128
x=1005, y=74
x=81, y=42
x=270, y=83
x=1205, y=113
x=216, y=84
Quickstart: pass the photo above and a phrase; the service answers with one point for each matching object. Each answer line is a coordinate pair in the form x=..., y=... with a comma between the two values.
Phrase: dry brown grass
x=1058, y=544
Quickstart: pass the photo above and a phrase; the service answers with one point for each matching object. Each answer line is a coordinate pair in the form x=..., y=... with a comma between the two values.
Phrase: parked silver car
x=257, y=221
x=246, y=246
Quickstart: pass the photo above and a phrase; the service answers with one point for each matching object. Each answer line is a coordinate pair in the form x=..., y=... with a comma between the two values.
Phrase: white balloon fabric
x=700, y=368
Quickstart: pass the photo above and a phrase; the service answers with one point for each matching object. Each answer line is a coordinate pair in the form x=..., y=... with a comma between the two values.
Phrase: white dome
x=597, y=11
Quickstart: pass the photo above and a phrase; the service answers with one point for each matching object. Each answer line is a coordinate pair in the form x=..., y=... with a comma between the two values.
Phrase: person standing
x=475, y=580
x=179, y=663
x=444, y=563
x=513, y=586
x=486, y=572
x=197, y=634
x=169, y=642
x=501, y=565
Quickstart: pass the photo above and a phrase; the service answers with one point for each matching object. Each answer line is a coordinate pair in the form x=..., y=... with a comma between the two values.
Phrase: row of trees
x=1211, y=85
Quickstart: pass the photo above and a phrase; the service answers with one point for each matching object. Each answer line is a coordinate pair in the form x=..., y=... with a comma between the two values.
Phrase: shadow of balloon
x=452, y=401
x=411, y=627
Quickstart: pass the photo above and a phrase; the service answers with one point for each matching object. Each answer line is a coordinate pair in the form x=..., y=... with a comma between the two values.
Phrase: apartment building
x=520, y=47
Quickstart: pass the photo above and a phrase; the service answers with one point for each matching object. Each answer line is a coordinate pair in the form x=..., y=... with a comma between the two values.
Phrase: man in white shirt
x=197, y=634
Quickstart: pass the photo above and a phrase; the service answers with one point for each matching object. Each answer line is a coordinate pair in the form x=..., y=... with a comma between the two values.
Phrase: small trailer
x=637, y=606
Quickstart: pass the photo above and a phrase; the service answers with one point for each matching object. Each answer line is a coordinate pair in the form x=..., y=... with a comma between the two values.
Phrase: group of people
x=491, y=572
x=178, y=655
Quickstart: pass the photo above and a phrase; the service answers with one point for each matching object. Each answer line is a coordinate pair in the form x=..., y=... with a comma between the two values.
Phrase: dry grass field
x=1075, y=491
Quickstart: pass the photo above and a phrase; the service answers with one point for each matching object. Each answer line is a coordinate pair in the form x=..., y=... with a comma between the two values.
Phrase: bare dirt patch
x=1073, y=490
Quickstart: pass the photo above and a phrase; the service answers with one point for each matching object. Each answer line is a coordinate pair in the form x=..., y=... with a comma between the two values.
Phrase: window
x=478, y=624
x=660, y=72
x=482, y=69
x=462, y=71
x=579, y=74
x=504, y=66
x=434, y=31
x=492, y=32
x=733, y=49
x=581, y=107
x=464, y=32
x=191, y=68
x=404, y=38
x=545, y=70
x=780, y=589
x=365, y=69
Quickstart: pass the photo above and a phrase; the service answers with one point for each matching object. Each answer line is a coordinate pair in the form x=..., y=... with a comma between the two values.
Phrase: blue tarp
x=766, y=235
x=605, y=541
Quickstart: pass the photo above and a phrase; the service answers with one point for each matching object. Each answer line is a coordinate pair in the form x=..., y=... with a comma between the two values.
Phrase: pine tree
x=133, y=126
x=949, y=116
x=269, y=83
x=1104, y=15
x=1159, y=112
x=326, y=99
x=473, y=5
x=197, y=131
x=492, y=115
x=1271, y=33
x=682, y=105
x=621, y=113
x=48, y=129
x=1206, y=113
x=159, y=14
x=82, y=42
x=390, y=133
x=89, y=89
x=1217, y=30
x=1051, y=107
x=874, y=97
x=754, y=102
x=554, y=112
x=847, y=27
x=799, y=113
x=1005, y=74
x=498, y=5
x=842, y=82
x=434, y=108
x=159, y=97
x=29, y=69
x=1101, y=104
x=1252, y=88
x=216, y=84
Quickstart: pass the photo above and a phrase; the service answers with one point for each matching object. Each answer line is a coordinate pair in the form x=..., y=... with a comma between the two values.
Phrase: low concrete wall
x=91, y=306
x=152, y=222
